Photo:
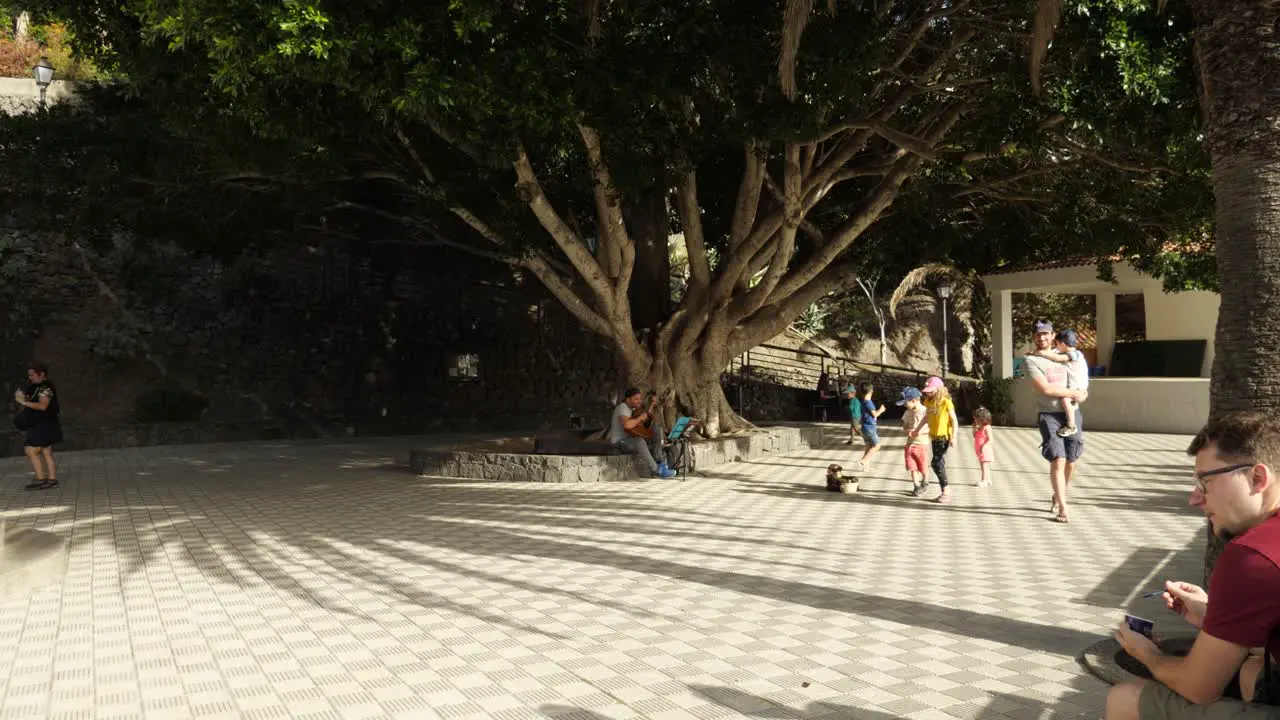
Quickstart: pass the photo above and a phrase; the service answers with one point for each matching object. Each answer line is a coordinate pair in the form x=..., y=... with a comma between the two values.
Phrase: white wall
x=1183, y=316
x=20, y=95
x=1154, y=405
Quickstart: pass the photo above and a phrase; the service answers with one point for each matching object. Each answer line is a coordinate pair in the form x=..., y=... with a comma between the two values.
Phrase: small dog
x=837, y=481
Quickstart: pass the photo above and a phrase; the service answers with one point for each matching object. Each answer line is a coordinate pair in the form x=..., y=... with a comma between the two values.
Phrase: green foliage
x=812, y=320
x=168, y=401
x=997, y=396
x=52, y=41
x=1064, y=311
x=305, y=103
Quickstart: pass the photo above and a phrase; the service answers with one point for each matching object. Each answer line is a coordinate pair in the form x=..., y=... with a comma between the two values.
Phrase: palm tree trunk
x=1239, y=60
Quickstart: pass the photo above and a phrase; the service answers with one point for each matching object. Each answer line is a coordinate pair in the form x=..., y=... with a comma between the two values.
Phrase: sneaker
x=665, y=472
x=944, y=498
x=1067, y=431
x=919, y=489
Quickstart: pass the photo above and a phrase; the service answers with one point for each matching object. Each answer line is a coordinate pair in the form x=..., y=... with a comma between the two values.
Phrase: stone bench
x=573, y=459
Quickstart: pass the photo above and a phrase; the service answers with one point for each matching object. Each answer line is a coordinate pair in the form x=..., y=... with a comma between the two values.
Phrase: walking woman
x=40, y=419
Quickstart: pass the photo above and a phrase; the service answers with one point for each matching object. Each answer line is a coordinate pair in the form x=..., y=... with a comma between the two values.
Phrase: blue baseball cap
x=1042, y=326
x=909, y=394
x=1068, y=337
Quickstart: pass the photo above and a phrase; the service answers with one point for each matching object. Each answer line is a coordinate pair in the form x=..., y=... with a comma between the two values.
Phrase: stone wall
x=21, y=95
x=314, y=342
x=521, y=467
x=496, y=461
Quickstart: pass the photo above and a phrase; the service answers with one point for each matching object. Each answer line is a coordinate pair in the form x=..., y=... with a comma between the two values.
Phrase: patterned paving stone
x=320, y=579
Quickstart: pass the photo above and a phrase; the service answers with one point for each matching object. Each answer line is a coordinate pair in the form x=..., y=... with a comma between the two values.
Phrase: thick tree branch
x=614, y=239
x=881, y=197
x=565, y=238
x=773, y=319
x=686, y=200
x=590, y=319
x=806, y=225
x=747, y=204
x=786, y=241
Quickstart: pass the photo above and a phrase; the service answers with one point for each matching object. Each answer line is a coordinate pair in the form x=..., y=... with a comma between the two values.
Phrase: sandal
x=1053, y=504
x=1062, y=518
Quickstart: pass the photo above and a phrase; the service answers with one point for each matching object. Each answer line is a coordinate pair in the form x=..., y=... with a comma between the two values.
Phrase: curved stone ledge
x=521, y=467
x=514, y=460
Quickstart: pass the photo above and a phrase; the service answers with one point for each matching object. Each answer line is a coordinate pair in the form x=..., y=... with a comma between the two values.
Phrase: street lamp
x=944, y=292
x=44, y=75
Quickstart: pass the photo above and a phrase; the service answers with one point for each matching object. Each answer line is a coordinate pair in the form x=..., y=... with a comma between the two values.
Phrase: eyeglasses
x=1201, y=477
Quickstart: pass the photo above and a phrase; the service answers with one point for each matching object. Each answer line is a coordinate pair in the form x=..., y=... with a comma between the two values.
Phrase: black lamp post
x=944, y=292
x=43, y=72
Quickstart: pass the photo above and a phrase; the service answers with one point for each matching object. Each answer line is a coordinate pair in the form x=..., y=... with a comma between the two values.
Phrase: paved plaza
x=323, y=580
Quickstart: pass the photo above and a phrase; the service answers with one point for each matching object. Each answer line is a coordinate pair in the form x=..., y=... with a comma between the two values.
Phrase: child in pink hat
x=940, y=416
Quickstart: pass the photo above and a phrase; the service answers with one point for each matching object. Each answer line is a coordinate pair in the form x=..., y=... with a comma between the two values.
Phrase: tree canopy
x=795, y=143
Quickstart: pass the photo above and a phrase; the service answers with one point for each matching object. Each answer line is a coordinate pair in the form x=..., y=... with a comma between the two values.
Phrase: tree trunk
x=688, y=386
x=21, y=27
x=1239, y=56
x=650, y=291
x=884, y=341
x=1239, y=60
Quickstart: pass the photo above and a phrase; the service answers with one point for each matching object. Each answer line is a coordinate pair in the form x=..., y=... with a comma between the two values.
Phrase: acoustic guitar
x=645, y=428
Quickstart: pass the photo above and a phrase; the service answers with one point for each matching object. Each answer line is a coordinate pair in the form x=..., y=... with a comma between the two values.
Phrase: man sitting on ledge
x=638, y=432
x=1237, y=486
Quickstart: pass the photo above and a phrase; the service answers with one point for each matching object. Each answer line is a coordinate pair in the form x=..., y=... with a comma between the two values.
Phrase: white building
x=1133, y=402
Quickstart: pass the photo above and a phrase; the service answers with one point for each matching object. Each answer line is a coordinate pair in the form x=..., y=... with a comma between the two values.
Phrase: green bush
x=168, y=402
x=997, y=396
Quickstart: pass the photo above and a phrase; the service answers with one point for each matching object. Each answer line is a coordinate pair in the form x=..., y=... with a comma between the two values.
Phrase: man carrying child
x=1064, y=351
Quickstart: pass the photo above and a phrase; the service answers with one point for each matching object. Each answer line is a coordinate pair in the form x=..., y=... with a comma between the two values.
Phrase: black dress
x=46, y=429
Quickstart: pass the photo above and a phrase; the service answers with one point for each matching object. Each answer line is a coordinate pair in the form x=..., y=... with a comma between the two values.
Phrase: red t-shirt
x=1244, y=592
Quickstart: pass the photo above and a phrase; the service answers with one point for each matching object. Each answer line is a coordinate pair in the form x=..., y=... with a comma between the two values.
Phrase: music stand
x=679, y=436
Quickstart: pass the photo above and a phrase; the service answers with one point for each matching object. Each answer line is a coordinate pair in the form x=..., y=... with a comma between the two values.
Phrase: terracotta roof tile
x=1083, y=260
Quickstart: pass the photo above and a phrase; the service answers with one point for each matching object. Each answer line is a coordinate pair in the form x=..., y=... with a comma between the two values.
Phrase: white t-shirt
x=617, y=433
x=1077, y=371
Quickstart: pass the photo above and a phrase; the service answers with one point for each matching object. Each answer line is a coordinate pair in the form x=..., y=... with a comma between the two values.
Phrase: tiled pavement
x=321, y=580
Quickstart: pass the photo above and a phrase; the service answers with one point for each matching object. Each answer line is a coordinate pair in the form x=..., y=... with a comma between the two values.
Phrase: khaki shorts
x=1160, y=703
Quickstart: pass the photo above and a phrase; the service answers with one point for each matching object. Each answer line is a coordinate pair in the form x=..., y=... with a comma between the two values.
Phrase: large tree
x=554, y=135
x=1238, y=53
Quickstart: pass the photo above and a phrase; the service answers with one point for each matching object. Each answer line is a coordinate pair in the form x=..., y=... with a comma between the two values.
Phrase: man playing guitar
x=636, y=431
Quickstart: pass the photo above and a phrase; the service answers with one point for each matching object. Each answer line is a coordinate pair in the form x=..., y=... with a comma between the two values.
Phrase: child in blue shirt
x=870, y=433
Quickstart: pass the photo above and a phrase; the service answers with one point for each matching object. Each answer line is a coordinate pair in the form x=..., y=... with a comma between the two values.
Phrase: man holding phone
x=1237, y=457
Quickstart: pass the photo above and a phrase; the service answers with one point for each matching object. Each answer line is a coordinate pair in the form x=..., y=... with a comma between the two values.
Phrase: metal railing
x=807, y=366
x=803, y=369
